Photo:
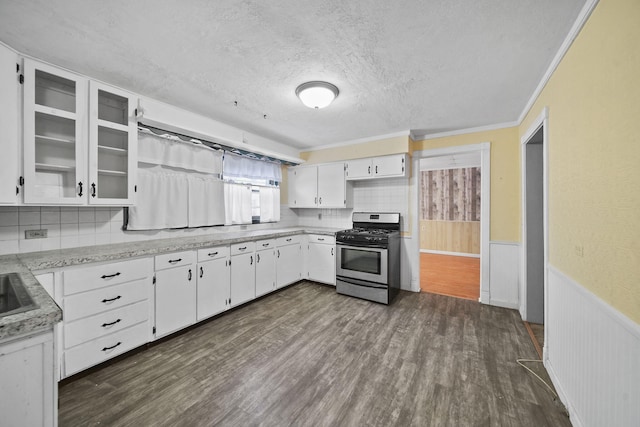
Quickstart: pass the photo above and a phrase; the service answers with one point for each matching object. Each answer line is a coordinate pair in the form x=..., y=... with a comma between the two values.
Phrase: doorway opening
x=534, y=227
x=452, y=187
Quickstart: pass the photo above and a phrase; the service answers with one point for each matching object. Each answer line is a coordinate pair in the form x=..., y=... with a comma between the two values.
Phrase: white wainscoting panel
x=592, y=353
x=504, y=274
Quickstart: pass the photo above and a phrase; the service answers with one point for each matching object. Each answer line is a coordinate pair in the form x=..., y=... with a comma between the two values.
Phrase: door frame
x=541, y=121
x=485, y=208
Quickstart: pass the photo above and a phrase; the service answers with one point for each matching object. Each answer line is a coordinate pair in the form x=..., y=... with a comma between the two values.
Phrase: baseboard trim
x=429, y=251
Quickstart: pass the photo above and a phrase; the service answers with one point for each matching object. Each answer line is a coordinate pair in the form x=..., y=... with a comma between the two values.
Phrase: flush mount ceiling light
x=317, y=94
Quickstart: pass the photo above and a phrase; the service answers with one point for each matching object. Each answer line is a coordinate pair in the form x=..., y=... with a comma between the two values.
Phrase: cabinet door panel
x=389, y=165
x=303, y=187
x=243, y=278
x=359, y=168
x=9, y=88
x=113, y=139
x=265, y=272
x=331, y=186
x=214, y=280
x=322, y=264
x=175, y=299
x=54, y=135
x=289, y=263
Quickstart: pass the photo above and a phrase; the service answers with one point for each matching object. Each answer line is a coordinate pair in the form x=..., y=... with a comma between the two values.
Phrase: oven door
x=363, y=263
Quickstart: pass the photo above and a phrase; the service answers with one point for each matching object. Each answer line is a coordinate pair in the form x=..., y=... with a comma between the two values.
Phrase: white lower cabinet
x=243, y=273
x=28, y=388
x=214, y=282
x=321, y=259
x=265, y=267
x=288, y=260
x=106, y=312
x=175, y=292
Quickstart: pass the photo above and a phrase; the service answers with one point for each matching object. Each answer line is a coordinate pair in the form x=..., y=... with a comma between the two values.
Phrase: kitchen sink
x=14, y=297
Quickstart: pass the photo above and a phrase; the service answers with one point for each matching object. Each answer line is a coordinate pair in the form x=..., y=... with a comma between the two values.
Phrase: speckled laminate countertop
x=48, y=313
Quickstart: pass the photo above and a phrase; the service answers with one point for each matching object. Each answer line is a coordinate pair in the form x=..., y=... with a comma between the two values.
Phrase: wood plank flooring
x=306, y=356
x=455, y=276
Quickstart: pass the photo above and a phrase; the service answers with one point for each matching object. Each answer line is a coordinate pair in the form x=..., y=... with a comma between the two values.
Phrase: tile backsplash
x=69, y=227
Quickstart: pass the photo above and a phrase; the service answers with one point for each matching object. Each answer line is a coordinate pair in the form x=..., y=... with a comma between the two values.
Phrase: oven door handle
x=362, y=245
x=362, y=283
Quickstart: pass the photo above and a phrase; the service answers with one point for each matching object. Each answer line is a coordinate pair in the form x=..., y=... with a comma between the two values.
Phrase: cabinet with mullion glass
x=112, y=147
x=54, y=135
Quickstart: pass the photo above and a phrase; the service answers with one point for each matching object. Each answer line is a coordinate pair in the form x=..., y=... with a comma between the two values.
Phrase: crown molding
x=359, y=141
x=417, y=137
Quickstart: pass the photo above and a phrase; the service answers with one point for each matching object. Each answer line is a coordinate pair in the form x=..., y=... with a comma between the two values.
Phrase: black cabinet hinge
x=135, y=188
x=154, y=329
x=154, y=279
x=135, y=112
x=21, y=181
x=17, y=67
x=21, y=79
x=17, y=190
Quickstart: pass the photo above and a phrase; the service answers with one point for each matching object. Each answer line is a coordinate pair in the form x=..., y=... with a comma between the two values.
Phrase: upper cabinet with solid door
x=112, y=145
x=318, y=186
x=391, y=166
x=9, y=130
x=78, y=149
x=55, y=105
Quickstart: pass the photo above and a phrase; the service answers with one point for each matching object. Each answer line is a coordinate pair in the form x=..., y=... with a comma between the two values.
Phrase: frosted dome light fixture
x=317, y=94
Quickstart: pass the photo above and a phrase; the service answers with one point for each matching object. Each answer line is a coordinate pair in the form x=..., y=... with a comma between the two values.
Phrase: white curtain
x=206, y=201
x=171, y=151
x=237, y=203
x=269, y=204
x=242, y=167
x=162, y=200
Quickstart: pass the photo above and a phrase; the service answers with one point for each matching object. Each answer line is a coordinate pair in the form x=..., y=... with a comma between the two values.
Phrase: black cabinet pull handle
x=172, y=261
x=111, y=299
x=251, y=263
x=93, y=189
x=257, y=257
x=80, y=185
x=331, y=251
x=289, y=239
x=189, y=277
x=104, y=325
x=212, y=253
x=376, y=168
x=201, y=272
x=369, y=170
x=112, y=347
x=278, y=253
x=109, y=276
x=321, y=239
x=264, y=245
x=243, y=248
x=320, y=200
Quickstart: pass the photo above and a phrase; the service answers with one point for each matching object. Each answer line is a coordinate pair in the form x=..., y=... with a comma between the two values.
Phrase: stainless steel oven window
x=361, y=261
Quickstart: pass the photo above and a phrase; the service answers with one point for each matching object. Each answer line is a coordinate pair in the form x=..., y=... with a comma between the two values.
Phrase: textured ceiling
x=422, y=65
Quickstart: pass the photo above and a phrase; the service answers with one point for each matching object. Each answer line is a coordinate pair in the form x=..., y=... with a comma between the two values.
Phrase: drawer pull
x=201, y=272
x=242, y=248
x=321, y=239
x=112, y=347
x=289, y=239
x=189, y=277
x=111, y=299
x=264, y=245
x=104, y=325
x=212, y=253
x=109, y=276
x=173, y=261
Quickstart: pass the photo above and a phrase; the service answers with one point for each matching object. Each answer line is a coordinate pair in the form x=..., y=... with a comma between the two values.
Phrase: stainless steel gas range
x=368, y=257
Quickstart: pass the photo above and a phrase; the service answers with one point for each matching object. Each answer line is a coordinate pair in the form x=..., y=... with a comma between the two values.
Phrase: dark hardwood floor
x=308, y=356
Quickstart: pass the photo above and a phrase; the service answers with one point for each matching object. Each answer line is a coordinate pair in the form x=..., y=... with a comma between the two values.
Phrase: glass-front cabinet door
x=54, y=135
x=112, y=145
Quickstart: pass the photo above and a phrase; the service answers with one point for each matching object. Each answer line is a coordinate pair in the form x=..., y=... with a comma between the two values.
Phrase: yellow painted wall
x=594, y=156
x=396, y=145
x=505, y=176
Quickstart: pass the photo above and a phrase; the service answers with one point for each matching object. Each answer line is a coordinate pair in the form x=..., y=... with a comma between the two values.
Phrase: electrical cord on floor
x=520, y=362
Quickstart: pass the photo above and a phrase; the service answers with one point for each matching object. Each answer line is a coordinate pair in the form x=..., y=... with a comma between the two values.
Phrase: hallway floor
x=456, y=276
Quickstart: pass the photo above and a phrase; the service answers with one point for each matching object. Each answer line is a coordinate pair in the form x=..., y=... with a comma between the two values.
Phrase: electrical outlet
x=35, y=234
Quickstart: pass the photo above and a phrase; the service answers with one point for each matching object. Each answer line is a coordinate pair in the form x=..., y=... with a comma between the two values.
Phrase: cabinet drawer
x=319, y=238
x=265, y=244
x=288, y=240
x=101, y=349
x=176, y=259
x=98, y=276
x=213, y=253
x=100, y=300
x=243, y=248
x=106, y=323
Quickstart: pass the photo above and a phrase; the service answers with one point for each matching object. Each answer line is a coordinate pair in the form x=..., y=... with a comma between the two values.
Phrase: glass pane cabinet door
x=54, y=136
x=112, y=146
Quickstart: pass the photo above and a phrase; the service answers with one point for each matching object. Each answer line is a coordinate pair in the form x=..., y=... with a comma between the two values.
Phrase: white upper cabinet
x=321, y=186
x=55, y=105
x=112, y=145
x=9, y=135
x=377, y=167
